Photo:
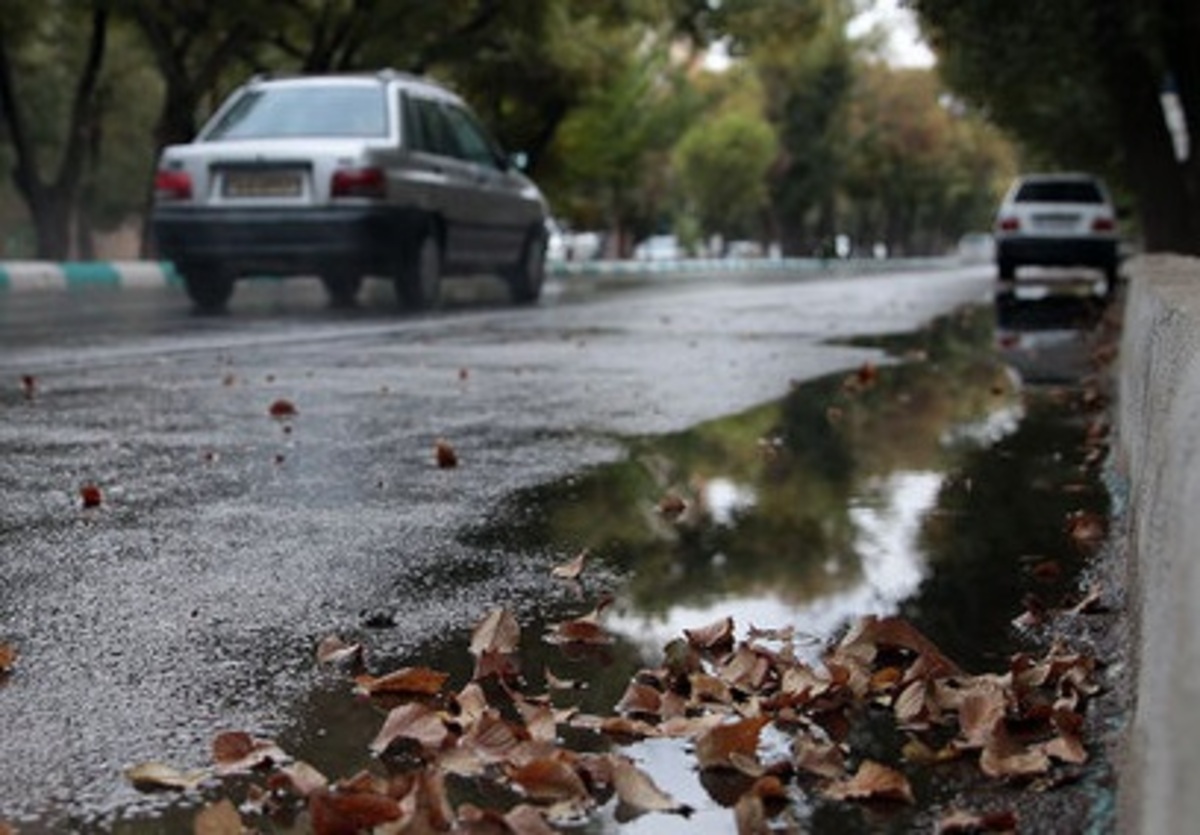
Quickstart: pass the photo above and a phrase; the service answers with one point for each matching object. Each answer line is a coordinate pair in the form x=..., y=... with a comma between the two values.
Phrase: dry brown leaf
x=572, y=568
x=151, y=776
x=1004, y=756
x=415, y=722
x=299, y=778
x=90, y=496
x=333, y=812
x=282, y=408
x=716, y=637
x=220, y=818
x=968, y=823
x=824, y=759
x=750, y=816
x=444, y=455
x=716, y=748
x=498, y=631
x=640, y=699
x=492, y=738
x=8, y=658
x=549, y=780
x=873, y=781
x=333, y=650
x=672, y=506
x=425, y=807
x=1085, y=528
x=407, y=681
x=638, y=792
x=236, y=752
x=584, y=630
x=553, y=682
x=1068, y=745
x=979, y=712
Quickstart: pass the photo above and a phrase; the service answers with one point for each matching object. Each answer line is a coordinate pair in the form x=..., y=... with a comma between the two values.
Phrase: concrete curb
x=1158, y=453
x=16, y=276
x=20, y=276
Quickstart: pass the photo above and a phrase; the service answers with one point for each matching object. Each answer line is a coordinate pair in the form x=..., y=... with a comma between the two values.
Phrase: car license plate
x=1056, y=222
x=261, y=184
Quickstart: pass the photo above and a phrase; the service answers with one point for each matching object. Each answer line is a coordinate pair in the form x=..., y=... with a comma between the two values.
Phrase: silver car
x=347, y=176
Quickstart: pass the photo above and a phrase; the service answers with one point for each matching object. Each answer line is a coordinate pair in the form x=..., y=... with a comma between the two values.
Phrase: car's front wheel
x=526, y=277
x=207, y=283
x=419, y=283
x=342, y=287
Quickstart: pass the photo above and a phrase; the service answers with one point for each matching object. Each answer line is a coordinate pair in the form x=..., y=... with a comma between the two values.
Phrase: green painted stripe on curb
x=90, y=273
x=4, y=282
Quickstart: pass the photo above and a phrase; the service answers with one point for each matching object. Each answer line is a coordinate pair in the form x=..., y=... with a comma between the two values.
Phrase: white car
x=1063, y=220
x=345, y=176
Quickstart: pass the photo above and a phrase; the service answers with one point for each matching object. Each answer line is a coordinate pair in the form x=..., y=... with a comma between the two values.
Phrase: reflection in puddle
x=925, y=487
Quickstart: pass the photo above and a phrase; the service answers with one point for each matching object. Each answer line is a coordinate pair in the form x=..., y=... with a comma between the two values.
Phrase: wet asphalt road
x=229, y=542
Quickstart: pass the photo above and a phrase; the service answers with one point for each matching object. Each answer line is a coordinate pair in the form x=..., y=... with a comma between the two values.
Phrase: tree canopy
x=624, y=126
x=1079, y=82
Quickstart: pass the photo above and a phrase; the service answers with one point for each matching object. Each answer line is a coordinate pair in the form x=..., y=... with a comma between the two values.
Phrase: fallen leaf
x=1068, y=745
x=299, y=778
x=8, y=658
x=716, y=637
x=716, y=748
x=415, y=722
x=750, y=816
x=407, y=681
x=219, y=818
x=524, y=819
x=867, y=374
x=91, y=495
x=548, y=780
x=152, y=775
x=336, y=813
x=1004, y=756
x=236, y=752
x=873, y=781
x=444, y=455
x=572, y=568
x=638, y=792
x=333, y=650
x=553, y=682
x=497, y=632
x=824, y=759
x=672, y=506
x=967, y=823
x=1085, y=528
x=282, y=408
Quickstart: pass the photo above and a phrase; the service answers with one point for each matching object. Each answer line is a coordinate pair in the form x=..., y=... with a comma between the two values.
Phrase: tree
x=721, y=166
x=1080, y=81
x=51, y=57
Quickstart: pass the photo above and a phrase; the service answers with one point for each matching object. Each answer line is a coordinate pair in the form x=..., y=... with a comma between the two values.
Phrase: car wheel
x=419, y=284
x=208, y=285
x=342, y=287
x=526, y=277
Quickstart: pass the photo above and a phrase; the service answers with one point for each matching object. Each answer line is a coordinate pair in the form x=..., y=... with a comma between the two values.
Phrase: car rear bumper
x=1058, y=252
x=361, y=238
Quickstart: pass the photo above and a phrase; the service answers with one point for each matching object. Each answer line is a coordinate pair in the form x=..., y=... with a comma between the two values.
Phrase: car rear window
x=287, y=112
x=1059, y=191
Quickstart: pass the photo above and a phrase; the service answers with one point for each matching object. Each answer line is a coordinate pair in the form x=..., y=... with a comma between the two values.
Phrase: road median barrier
x=19, y=276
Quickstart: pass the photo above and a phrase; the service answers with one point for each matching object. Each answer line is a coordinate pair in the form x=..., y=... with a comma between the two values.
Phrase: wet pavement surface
x=832, y=453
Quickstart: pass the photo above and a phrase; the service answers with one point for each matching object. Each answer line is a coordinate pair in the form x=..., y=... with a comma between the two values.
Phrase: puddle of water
x=933, y=487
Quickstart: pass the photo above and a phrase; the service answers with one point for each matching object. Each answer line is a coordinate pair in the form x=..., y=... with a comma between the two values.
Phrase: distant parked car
x=1065, y=220
x=345, y=176
x=659, y=248
x=977, y=248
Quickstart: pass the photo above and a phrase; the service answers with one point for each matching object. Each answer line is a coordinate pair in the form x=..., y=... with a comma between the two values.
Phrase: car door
x=505, y=208
x=439, y=181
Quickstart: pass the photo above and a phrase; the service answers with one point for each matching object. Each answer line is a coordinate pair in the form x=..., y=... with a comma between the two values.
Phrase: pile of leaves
x=712, y=690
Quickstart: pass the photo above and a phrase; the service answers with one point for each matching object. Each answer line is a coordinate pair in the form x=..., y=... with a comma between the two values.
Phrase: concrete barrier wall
x=1158, y=450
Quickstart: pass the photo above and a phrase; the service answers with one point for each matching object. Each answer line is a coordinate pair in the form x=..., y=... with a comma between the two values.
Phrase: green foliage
x=721, y=165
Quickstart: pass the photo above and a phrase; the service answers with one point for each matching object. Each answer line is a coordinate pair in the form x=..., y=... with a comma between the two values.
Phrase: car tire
x=419, y=283
x=526, y=277
x=342, y=287
x=208, y=285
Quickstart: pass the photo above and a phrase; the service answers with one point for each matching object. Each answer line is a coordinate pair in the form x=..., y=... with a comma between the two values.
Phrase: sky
x=904, y=45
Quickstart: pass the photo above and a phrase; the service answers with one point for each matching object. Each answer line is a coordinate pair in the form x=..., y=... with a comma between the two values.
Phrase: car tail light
x=359, y=182
x=1009, y=224
x=172, y=185
x=1103, y=224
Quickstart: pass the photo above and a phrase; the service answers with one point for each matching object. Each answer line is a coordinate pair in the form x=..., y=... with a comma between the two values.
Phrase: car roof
x=387, y=76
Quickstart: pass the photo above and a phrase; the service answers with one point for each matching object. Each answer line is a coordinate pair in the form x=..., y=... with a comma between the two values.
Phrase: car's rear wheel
x=526, y=277
x=207, y=283
x=419, y=283
x=342, y=287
